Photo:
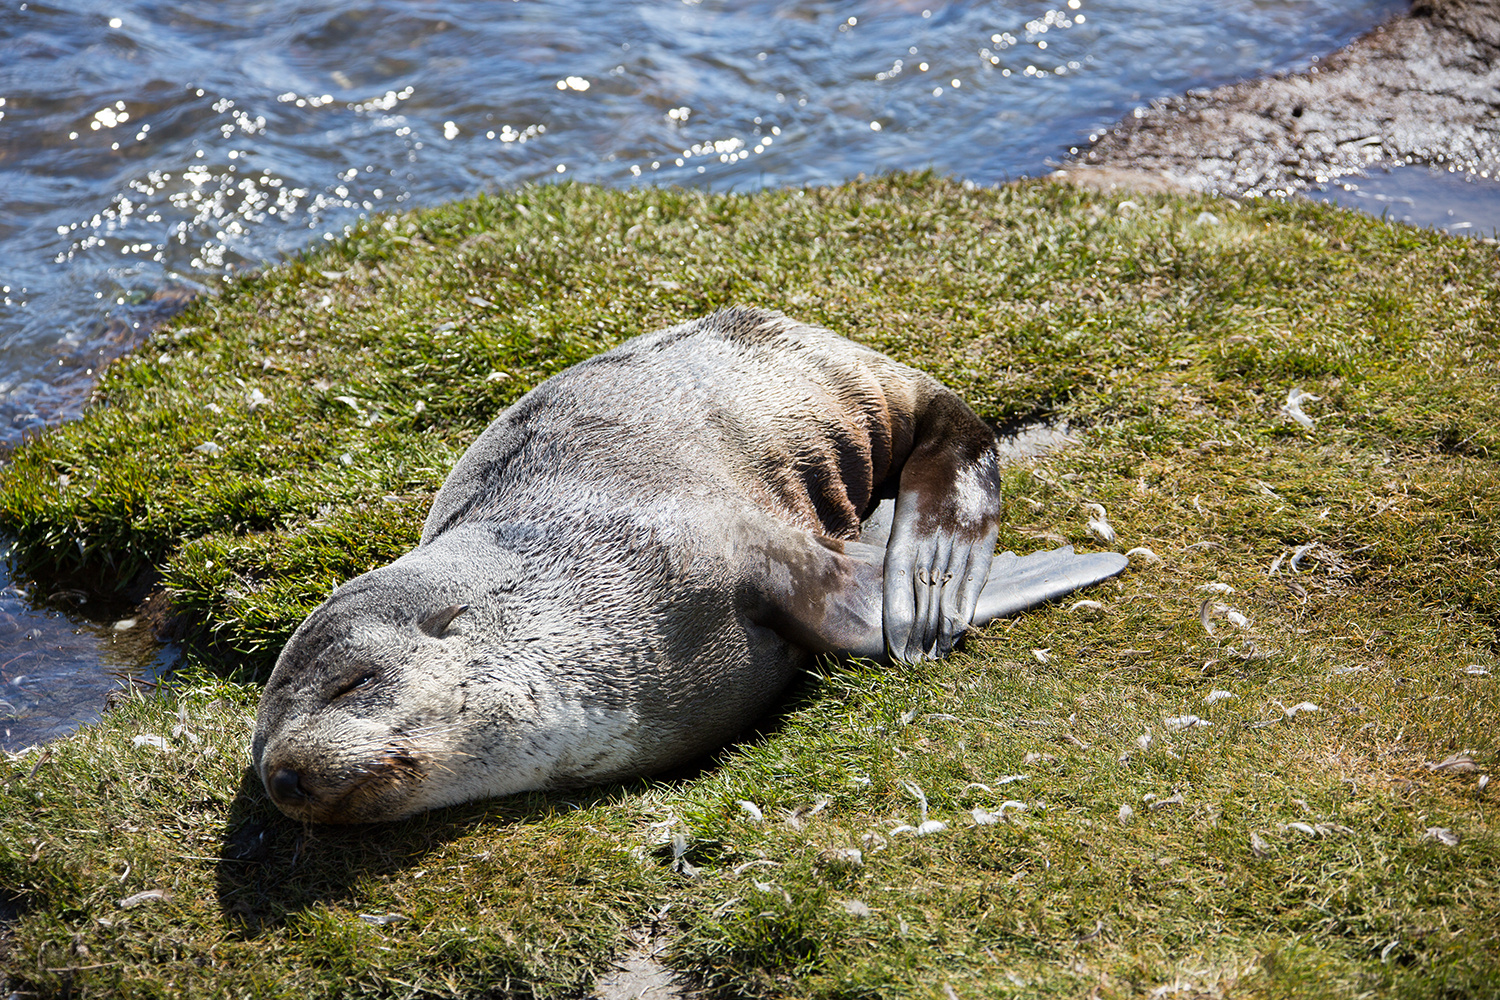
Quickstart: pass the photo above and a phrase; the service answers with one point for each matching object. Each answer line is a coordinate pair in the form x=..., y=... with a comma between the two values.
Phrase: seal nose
x=286, y=786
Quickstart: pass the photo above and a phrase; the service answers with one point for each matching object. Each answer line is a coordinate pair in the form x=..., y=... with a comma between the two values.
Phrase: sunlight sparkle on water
x=234, y=149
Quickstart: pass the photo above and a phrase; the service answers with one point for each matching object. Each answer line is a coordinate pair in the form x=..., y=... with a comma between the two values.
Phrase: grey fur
x=645, y=549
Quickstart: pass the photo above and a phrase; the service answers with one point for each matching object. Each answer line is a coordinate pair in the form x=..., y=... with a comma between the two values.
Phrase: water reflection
x=1434, y=197
x=58, y=669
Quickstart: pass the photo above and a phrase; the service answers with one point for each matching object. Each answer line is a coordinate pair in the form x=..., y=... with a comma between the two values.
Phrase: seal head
x=434, y=680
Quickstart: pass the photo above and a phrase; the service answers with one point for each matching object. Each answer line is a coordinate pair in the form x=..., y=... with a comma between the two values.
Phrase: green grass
x=1168, y=341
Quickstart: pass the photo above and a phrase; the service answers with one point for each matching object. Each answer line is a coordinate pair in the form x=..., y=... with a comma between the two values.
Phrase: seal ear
x=436, y=623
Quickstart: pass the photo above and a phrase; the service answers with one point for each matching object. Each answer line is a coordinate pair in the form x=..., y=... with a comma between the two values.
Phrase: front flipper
x=1020, y=582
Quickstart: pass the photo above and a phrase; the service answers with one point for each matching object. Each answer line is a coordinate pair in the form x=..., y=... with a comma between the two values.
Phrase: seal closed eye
x=634, y=560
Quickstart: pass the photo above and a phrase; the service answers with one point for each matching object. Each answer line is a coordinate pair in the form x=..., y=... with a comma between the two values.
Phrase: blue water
x=1445, y=198
x=149, y=147
x=59, y=663
x=156, y=144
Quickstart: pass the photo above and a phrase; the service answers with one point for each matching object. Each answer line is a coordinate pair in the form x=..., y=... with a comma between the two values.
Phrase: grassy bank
x=1325, y=829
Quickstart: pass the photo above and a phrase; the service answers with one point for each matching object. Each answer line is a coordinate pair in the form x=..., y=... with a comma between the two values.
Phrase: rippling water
x=1458, y=203
x=147, y=147
x=57, y=668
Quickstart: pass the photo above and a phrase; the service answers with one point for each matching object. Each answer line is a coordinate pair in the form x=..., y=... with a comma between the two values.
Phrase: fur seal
x=631, y=563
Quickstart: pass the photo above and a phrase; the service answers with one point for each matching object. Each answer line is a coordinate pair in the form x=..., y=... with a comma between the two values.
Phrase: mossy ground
x=289, y=433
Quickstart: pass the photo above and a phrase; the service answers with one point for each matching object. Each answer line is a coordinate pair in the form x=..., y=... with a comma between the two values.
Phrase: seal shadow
x=271, y=867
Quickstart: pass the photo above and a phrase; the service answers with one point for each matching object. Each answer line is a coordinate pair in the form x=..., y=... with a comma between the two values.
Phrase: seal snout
x=318, y=786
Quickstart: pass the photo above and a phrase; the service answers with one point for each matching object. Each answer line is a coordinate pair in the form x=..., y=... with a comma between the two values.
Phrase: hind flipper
x=826, y=596
x=932, y=581
x=1020, y=582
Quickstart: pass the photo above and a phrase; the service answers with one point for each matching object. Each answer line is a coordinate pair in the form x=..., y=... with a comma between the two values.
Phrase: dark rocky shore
x=1424, y=88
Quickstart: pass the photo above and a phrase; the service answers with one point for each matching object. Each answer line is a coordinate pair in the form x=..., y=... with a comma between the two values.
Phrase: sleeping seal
x=632, y=562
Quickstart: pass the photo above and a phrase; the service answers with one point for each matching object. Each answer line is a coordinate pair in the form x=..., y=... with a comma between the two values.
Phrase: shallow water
x=58, y=668
x=148, y=147
x=1436, y=197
